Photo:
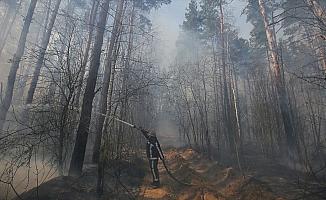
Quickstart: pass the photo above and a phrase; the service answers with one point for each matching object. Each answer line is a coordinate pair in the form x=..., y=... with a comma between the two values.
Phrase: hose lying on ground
x=173, y=177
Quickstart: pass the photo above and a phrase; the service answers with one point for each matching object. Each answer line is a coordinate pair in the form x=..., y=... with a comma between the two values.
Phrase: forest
x=88, y=111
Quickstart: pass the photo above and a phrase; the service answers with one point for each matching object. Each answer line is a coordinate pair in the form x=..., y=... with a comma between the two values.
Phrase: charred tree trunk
x=78, y=154
x=5, y=104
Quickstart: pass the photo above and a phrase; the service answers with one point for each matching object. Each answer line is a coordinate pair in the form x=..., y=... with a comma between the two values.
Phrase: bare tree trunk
x=216, y=102
x=4, y=20
x=5, y=104
x=207, y=135
x=320, y=13
x=20, y=93
x=111, y=57
x=279, y=83
x=1, y=92
x=191, y=118
x=86, y=54
x=78, y=154
x=239, y=137
x=40, y=60
x=226, y=106
x=322, y=53
x=5, y=23
x=62, y=134
x=318, y=10
x=102, y=160
x=7, y=28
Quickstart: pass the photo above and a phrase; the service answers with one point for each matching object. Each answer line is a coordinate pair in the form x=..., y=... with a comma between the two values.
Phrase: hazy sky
x=167, y=21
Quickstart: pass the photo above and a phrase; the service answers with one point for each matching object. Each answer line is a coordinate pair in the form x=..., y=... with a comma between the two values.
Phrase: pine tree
x=193, y=20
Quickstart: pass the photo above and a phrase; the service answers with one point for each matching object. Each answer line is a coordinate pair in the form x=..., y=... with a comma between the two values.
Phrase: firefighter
x=154, y=153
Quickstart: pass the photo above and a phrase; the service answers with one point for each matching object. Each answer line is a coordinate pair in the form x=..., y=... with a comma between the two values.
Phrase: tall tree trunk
x=78, y=154
x=5, y=104
x=216, y=101
x=42, y=51
x=5, y=22
x=92, y=19
x=6, y=29
x=20, y=93
x=111, y=57
x=238, y=138
x=226, y=106
x=320, y=12
x=279, y=83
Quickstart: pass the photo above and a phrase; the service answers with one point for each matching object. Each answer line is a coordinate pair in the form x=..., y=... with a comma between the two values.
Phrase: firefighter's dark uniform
x=154, y=153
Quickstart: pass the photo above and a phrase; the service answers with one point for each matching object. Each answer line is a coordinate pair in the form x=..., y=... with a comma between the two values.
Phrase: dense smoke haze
x=162, y=99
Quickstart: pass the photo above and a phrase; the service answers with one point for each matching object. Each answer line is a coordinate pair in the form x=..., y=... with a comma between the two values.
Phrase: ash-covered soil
x=209, y=181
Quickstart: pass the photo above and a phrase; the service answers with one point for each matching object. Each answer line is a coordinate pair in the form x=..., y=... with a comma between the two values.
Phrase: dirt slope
x=210, y=181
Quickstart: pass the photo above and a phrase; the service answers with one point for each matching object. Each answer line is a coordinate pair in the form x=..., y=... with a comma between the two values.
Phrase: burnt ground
x=263, y=180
